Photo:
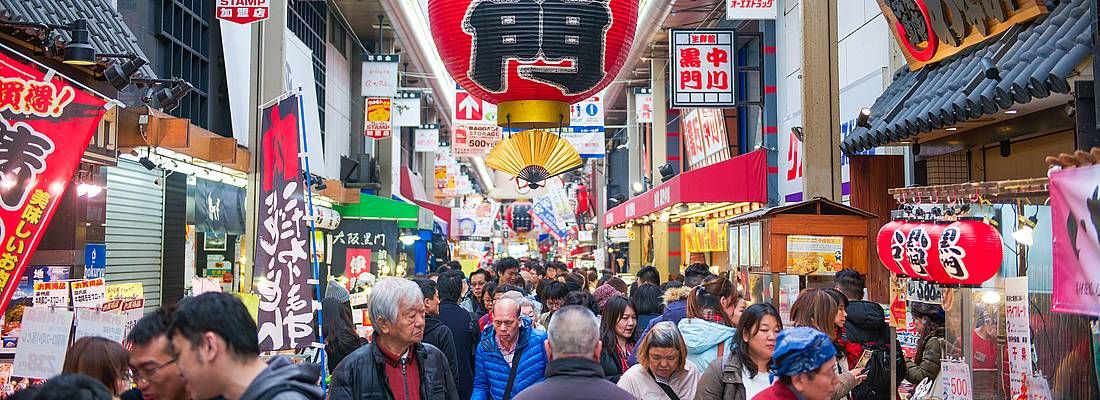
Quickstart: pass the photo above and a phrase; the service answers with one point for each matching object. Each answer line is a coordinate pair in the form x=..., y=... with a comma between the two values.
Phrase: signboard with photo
x=378, y=124
x=24, y=298
x=814, y=255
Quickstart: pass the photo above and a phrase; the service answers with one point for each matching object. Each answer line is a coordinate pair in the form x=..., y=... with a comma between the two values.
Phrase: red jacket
x=777, y=391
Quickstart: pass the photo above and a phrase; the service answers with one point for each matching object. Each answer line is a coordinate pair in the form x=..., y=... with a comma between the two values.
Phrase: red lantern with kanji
x=533, y=58
x=918, y=249
x=935, y=268
x=970, y=252
x=891, y=246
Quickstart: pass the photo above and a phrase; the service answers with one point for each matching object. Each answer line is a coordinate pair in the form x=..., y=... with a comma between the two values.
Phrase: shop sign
x=281, y=258
x=618, y=235
x=705, y=140
x=427, y=139
x=380, y=75
x=703, y=237
x=46, y=125
x=1075, y=204
x=92, y=322
x=42, y=342
x=643, y=105
x=95, y=260
x=475, y=223
x=814, y=255
x=929, y=31
x=924, y=292
x=377, y=124
x=1018, y=334
x=702, y=68
x=475, y=140
x=51, y=294
x=218, y=208
x=348, y=241
x=89, y=293
x=406, y=110
x=956, y=380
x=243, y=11
x=898, y=307
x=752, y=9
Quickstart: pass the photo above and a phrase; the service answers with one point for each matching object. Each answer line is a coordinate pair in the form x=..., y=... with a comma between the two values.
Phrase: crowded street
x=549, y=199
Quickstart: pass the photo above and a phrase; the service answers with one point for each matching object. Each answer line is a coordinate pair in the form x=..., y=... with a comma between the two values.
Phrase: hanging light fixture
x=119, y=73
x=1025, y=234
x=79, y=50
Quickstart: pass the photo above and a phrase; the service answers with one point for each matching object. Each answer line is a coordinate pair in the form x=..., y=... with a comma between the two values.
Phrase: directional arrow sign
x=471, y=109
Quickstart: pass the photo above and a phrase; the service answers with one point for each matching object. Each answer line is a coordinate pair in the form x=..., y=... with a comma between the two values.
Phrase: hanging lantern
x=970, y=252
x=518, y=216
x=918, y=249
x=533, y=156
x=891, y=246
x=533, y=58
x=936, y=273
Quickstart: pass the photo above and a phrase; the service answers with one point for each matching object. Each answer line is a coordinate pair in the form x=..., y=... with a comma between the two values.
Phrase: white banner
x=427, y=140
x=1017, y=333
x=43, y=340
x=380, y=75
x=643, y=107
x=406, y=110
x=752, y=9
x=91, y=322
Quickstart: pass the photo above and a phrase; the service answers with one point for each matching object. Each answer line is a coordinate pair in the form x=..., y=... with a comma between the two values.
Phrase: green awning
x=374, y=207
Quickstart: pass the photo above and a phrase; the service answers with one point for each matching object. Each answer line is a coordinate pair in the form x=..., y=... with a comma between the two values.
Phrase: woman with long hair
x=339, y=329
x=744, y=374
x=619, y=334
x=816, y=308
x=662, y=366
x=709, y=329
x=928, y=319
x=102, y=359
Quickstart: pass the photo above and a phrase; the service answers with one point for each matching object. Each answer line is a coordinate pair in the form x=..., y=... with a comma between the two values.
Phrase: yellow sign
x=125, y=291
x=705, y=237
x=252, y=303
x=814, y=255
x=378, y=110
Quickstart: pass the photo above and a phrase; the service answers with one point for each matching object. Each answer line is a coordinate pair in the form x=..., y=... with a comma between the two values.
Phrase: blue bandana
x=800, y=350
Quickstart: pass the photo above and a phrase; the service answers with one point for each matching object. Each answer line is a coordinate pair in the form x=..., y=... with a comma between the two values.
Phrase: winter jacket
x=642, y=385
x=777, y=391
x=866, y=324
x=675, y=310
x=282, y=380
x=645, y=319
x=612, y=364
x=491, y=370
x=722, y=380
x=362, y=375
x=926, y=364
x=465, y=338
x=439, y=335
x=574, y=379
x=705, y=340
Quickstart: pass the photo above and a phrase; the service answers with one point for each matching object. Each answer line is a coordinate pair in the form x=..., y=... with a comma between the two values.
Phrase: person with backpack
x=865, y=329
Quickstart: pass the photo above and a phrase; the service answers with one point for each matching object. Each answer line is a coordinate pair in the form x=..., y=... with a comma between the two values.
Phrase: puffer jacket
x=362, y=375
x=704, y=339
x=491, y=370
x=926, y=364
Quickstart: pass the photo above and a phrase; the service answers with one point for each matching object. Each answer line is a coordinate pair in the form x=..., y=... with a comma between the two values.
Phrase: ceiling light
x=79, y=50
x=1012, y=112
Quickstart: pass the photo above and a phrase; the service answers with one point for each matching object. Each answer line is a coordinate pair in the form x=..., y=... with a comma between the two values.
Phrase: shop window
x=750, y=90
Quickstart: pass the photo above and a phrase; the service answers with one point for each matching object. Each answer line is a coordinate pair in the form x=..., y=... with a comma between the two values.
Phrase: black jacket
x=464, y=332
x=576, y=379
x=866, y=323
x=362, y=375
x=609, y=361
x=439, y=335
x=283, y=380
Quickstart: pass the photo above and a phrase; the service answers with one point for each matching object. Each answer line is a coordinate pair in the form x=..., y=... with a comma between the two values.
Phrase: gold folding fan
x=533, y=156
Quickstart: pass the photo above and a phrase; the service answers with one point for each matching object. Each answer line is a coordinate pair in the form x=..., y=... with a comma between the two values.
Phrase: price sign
x=956, y=381
x=42, y=342
x=89, y=293
x=474, y=140
x=91, y=322
x=51, y=294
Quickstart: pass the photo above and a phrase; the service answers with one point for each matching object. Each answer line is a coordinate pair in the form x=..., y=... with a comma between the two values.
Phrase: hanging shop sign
x=427, y=139
x=814, y=255
x=1074, y=201
x=643, y=105
x=898, y=307
x=586, y=127
x=46, y=125
x=704, y=237
x=475, y=140
x=474, y=224
x=42, y=342
x=348, y=241
x=285, y=313
x=891, y=247
x=218, y=208
x=95, y=260
x=406, y=109
x=702, y=68
x=752, y=9
x=380, y=75
x=543, y=211
x=378, y=124
x=1018, y=334
x=929, y=31
x=704, y=132
x=242, y=11
x=564, y=51
x=326, y=218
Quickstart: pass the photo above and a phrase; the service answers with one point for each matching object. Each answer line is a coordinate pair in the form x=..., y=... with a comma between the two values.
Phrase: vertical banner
x=45, y=124
x=380, y=75
x=702, y=68
x=1017, y=334
x=378, y=124
x=643, y=105
x=282, y=264
x=406, y=109
x=1074, y=205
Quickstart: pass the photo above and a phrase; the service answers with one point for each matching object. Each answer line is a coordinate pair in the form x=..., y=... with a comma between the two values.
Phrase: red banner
x=45, y=124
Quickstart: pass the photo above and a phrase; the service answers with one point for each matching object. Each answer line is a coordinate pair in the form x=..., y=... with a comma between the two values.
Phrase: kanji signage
x=546, y=53
x=643, y=105
x=427, y=139
x=377, y=124
x=705, y=137
x=243, y=11
x=282, y=263
x=702, y=68
x=752, y=9
x=45, y=124
x=932, y=30
x=373, y=242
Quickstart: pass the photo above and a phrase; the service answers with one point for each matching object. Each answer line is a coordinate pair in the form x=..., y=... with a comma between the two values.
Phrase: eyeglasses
x=143, y=377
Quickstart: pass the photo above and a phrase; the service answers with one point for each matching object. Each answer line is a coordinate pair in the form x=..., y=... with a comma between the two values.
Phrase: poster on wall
x=1073, y=210
x=814, y=255
x=1017, y=334
x=702, y=68
x=285, y=312
x=51, y=294
x=352, y=236
x=44, y=129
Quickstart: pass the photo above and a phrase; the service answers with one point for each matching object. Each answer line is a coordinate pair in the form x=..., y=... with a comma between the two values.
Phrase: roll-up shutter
x=135, y=228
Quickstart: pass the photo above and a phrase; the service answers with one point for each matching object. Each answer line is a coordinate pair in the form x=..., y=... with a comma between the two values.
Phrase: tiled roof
x=1034, y=60
x=109, y=34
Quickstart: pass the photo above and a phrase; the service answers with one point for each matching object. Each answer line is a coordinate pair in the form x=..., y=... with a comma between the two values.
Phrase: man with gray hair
x=395, y=364
x=510, y=356
x=573, y=347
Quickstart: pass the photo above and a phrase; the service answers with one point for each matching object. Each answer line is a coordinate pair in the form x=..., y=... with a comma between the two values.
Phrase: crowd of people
x=521, y=332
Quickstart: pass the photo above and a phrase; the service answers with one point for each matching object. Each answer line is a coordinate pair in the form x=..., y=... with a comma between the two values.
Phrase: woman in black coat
x=619, y=337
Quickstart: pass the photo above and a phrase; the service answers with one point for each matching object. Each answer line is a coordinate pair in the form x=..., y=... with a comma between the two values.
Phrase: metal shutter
x=135, y=228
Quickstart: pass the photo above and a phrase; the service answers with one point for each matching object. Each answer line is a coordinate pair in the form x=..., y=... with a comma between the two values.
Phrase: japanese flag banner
x=282, y=268
x=45, y=124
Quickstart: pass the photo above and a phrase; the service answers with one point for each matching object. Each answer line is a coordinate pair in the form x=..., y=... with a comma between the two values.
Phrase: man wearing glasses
x=155, y=371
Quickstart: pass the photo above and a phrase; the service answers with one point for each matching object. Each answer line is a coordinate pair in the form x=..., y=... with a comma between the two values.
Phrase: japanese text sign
x=44, y=127
x=377, y=124
x=282, y=262
x=956, y=381
x=406, y=109
x=1075, y=216
x=126, y=291
x=380, y=75
x=51, y=294
x=92, y=322
x=705, y=137
x=643, y=105
x=702, y=68
x=1017, y=334
x=427, y=139
x=42, y=342
x=752, y=9
x=814, y=255
x=243, y=11
x=89, y=293
x=349, y=240
x=475, y=140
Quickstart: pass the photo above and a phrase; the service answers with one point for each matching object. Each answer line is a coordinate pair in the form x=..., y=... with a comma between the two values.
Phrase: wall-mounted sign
x=378, y=123
x=475, y=140
x=406, y=109
x=427, y=139
x=242, y=11
x=643, y=105
x=702, y=68
x=705, y=138
x=932, y=30
x=752, y=9
x=814, y=255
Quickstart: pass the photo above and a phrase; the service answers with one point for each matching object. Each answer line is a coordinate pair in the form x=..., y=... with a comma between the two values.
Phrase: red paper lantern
x=897, y=241
x=533, y=58
x=935, y=268
x=891, y=246
x=970, y=252
x=918, y=249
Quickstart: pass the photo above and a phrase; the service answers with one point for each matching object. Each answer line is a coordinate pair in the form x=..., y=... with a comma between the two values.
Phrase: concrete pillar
x=820, y=99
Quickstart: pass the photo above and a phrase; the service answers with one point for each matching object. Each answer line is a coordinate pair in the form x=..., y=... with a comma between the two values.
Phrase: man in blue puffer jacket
x=509, y=340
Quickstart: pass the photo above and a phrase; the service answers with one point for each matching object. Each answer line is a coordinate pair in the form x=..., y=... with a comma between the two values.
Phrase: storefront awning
x=740, y=179
x=374, y=207
x=1034, y=60
x=409, y=191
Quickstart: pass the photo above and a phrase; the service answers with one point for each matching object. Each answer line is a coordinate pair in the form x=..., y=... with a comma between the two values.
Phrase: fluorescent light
x=1011, y=112
x=952, y=129
x=991, y=297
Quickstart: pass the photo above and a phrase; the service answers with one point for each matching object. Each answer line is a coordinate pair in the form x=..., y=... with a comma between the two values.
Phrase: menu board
x=814, y=255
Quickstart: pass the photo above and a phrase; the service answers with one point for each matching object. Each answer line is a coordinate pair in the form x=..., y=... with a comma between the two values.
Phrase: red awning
x=739, y=179
x=408, y=191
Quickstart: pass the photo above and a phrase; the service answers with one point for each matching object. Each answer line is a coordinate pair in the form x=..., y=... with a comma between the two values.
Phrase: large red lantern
x=891, y=246
x=918, y=249
x=935, y=268
x=533, y=58
x=970, y=252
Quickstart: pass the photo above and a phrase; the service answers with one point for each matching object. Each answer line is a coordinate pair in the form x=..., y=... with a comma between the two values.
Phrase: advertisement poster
x=898, y=309
x=1017, y=333
x=125, y=291
x=92, y=322
x=281, y=261
x=789, y=287
x=51, y=294
x=41, y=351
x=377, y=125
x=702, y=68
x=1073, y=204
x=358, y=263
x=814, y=255
x=45, y=126
x=707, y=236
x=24, y=298
x=475, y=140
x=89, y=293
x=474, y=224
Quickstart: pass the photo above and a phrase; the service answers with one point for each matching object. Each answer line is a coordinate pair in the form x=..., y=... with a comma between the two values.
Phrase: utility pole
x=820, y=100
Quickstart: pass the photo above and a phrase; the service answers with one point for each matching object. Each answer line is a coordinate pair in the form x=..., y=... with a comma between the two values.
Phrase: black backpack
x=877, y=385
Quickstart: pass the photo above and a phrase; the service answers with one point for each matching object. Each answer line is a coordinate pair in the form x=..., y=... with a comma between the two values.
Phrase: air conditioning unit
x=360, y=173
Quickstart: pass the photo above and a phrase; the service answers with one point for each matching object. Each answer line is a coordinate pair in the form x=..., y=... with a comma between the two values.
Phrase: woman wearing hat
x=928, y=319
x=803, y=365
